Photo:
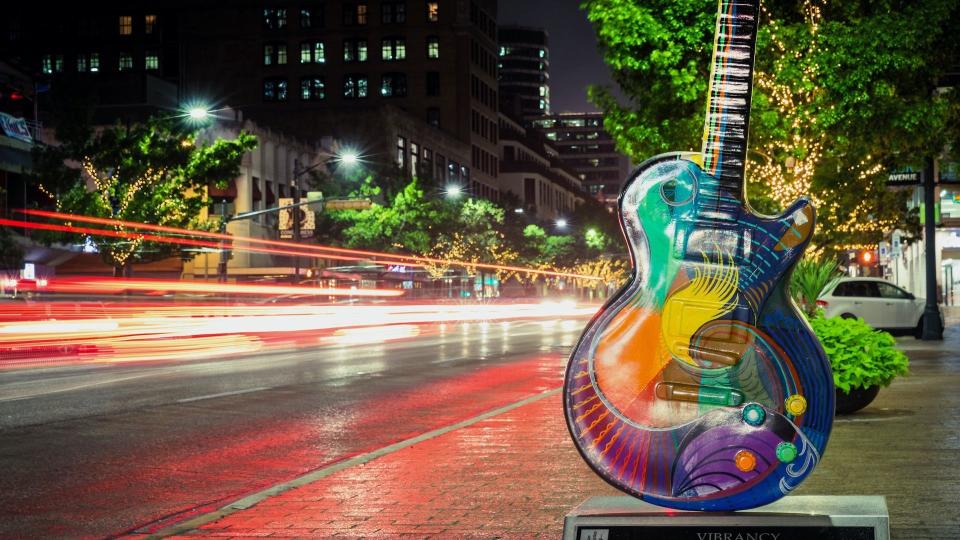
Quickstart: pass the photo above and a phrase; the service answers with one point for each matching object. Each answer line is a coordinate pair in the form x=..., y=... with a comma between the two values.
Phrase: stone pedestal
x=796, y=517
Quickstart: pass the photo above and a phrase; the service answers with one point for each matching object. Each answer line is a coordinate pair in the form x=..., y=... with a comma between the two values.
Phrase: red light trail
x=319, y=251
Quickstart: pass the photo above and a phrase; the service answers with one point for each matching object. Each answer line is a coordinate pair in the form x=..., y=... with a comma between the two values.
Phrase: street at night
x=480, y=269
x=98, y=450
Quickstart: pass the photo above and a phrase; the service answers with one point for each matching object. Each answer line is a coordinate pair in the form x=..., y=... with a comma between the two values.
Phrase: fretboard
x=728, y=102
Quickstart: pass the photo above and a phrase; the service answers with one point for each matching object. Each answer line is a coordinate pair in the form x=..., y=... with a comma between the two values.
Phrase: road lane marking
x=223, y=394
x=251, y=500
x=75, y=387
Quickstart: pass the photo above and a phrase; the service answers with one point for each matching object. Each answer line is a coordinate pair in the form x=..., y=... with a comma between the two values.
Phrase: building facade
x=308, y=68
x=588, y=150
x=531, y=172
x=524, y=78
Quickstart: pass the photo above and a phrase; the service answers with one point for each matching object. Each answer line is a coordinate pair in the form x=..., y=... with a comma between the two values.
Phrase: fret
x=728, y=107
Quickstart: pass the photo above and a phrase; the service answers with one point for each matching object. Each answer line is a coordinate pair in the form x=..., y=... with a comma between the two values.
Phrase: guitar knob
x=754, y=414
x=796, y=404
x=786, y=452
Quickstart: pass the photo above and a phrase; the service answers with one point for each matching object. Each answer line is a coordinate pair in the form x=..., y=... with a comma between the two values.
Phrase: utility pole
x=296, y=212
x=932, y=325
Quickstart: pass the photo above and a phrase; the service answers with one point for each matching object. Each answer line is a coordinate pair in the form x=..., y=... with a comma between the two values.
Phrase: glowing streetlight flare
x=349, y=158
x=454, y=191
x=198, y=113
x=562, y=223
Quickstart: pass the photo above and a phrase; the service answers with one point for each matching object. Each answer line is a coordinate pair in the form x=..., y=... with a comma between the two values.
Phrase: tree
x=844, y=91
x=477, y=236
x=154, y=172
x=542, y=250
x=409, y=222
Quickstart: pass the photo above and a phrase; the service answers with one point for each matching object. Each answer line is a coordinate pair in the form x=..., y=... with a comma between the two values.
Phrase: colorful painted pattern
x=699, y=386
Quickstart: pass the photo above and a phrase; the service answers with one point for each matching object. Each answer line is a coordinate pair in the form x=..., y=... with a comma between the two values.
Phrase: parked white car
x=878, y=302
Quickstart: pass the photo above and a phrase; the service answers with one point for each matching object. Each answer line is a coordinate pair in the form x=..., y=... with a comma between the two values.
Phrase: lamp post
x=932, y=325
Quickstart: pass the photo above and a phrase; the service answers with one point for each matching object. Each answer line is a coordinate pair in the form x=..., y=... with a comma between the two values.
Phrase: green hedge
x=859, y=355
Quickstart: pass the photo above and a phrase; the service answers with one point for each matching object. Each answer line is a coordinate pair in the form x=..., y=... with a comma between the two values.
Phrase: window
x=83, y=63
x=890, y=291
x=311, y=17
x=275, y=89
x=393, y=12
x=94, y=62
x=151, y=61
x=149, y=23
x=866, y=289
x=354, y=14
x=312, y=88
x=355, y=86
x=433, y=116
x=433, y=47
x=274, y=19
x=355, y=50
x=274, y=54
x=393, y=85
x=126, y=62
x=312, y=52
x=126, y=25
x=428, y=162
x=52, y=63
x=393, y=49
x=414, y=158
x=433, y=11
x=433, y=83
x=402, y=153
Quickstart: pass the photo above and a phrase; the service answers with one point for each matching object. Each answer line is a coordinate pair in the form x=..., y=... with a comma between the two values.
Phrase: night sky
x=574, y=59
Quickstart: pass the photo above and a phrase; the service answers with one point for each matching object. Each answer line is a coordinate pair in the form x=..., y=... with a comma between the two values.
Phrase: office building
x=524, y=77
x=588, y=150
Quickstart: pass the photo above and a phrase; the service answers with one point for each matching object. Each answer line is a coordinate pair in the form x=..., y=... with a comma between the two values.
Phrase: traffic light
x=868, y=257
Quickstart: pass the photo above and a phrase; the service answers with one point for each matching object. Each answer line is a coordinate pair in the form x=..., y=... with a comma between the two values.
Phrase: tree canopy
x=845, y=91
x=152, y=172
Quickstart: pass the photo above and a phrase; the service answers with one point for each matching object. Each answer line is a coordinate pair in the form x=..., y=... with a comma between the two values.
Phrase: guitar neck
x=728, y=99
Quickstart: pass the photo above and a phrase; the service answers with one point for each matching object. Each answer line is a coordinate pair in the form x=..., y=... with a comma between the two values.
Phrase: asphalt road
x=97, y=451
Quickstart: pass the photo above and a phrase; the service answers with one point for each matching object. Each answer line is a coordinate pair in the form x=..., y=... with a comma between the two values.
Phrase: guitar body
x=699, y=386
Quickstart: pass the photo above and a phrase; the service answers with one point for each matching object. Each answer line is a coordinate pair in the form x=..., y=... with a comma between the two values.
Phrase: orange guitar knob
x=745, y=460
x=796, y=404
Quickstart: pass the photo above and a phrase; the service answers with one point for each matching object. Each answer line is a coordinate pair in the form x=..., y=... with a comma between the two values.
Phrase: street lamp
x=561, y=223
x=453, y=191
x=198, y=113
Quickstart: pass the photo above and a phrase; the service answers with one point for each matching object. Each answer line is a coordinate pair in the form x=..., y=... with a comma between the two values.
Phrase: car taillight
x=822, y=303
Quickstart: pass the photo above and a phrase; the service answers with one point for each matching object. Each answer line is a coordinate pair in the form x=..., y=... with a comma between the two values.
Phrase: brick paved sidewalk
x=517, y=474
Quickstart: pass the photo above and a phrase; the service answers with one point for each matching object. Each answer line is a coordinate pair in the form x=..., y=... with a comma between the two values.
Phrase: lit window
x=275, y=89
x=355, y=50
x=401, y=153
x=311, y=17
x=274, y=54
x=312, y=88
x=149, y=22
x=393, y=12
x=46, y=63
x=354, y=14
x=83, y=63
x=94, y=62
x=126, y=25
x=433, y=47
x=274, y=19
x=433, y=11
x=126, y=62
x=393, y=85
x=152, y=61
x=355, y=86
x=394, y=49
x=312, y=52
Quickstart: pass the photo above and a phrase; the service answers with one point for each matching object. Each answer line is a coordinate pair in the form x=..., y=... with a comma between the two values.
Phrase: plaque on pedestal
x=797, y=517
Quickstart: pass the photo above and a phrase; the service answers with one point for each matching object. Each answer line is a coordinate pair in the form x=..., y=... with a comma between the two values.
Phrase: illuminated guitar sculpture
x=699, y=386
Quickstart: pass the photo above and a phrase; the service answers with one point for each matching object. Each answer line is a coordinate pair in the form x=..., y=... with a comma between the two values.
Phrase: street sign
x=287, y=215
x=904, y=178
x=347, y=204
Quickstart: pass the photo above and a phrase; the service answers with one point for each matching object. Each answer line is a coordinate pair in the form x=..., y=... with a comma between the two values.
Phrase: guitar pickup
x=708, y=395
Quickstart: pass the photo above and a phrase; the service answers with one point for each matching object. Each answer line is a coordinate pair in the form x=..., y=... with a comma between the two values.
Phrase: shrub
x=810, y=278
x=859, y=355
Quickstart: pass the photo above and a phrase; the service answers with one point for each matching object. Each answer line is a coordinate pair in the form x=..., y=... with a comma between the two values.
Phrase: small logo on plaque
x=594, y=534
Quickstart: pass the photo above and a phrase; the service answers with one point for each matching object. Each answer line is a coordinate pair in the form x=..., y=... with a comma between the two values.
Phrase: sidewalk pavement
x=516, y=474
